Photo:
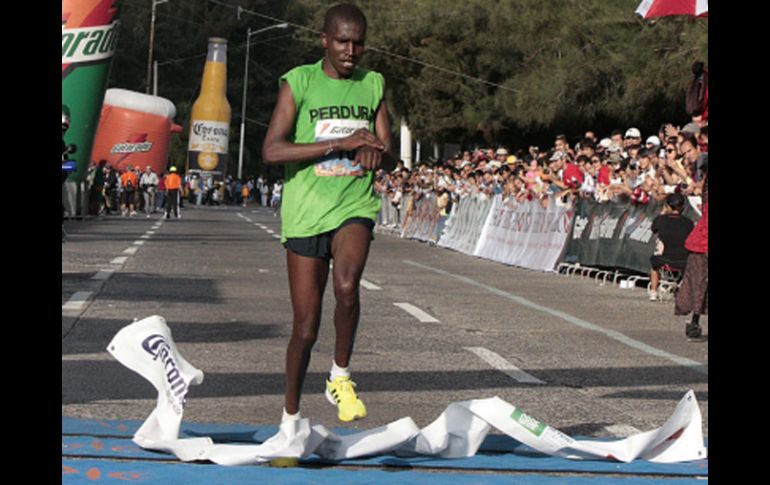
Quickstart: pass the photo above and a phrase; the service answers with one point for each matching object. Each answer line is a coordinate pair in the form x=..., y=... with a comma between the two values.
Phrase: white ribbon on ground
x=147, y=348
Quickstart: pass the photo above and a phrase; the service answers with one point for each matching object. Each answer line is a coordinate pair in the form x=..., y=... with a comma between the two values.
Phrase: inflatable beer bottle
x=210, y=117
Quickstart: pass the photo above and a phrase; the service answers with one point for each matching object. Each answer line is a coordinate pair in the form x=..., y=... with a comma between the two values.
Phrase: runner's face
x=344, y=48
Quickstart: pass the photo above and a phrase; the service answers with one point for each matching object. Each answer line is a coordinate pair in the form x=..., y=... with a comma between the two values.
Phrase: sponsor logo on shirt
x=338, y=164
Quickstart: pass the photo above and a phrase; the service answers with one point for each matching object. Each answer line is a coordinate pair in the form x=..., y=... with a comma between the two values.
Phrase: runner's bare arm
x=276, y=149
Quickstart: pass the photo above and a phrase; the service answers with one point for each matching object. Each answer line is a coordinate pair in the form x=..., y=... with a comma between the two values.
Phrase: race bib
x=338, y=164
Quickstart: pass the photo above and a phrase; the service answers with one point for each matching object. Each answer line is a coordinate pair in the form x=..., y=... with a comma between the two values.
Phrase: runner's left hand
x=368, y=158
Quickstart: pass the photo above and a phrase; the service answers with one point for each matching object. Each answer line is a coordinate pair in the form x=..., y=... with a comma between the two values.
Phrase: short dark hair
x=675, y=201
x=689, y=138
x=345, y=12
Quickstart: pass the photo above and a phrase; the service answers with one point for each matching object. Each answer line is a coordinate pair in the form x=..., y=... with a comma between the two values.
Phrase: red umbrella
x=663, y=8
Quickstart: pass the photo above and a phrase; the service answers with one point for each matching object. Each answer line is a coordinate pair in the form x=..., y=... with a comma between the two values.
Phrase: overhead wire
x=375, y=49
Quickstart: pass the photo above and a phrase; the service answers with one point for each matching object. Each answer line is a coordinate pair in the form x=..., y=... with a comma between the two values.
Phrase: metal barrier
x=418, y=222
x=634, y=279
x=670, y=280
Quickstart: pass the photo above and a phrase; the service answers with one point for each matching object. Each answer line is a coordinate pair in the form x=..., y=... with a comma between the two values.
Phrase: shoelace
x=347, y=387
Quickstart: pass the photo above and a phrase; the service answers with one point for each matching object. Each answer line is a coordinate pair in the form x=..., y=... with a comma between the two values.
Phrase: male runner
x=330, y=129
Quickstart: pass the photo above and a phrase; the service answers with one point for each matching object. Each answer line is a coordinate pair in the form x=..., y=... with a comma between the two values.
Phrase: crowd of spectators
x=624, y=166
x=132, y=191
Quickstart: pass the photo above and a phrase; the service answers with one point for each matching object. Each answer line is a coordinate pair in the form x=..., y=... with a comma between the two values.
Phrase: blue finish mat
x=108, y=471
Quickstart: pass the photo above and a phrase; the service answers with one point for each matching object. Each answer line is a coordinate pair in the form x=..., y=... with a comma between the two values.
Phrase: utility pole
x=152, y=43
x=249, y=33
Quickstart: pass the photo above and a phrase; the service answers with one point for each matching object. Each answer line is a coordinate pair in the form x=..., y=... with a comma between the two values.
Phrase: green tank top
x=319, y=195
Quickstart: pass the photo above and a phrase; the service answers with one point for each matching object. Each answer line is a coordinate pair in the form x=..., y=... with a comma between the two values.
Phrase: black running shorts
x=320, y=246
x=658, y=260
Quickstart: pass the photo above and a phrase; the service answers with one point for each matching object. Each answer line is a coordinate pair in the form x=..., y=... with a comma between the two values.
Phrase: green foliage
x=556, y=66
x=474, y=71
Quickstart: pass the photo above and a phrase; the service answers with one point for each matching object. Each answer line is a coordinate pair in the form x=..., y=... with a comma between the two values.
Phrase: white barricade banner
x=525, y=233
x=465, y=223
x=425, y=222
x=147, y=348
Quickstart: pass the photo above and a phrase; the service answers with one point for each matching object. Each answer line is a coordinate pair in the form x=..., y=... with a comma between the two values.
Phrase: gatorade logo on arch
x=88, y=33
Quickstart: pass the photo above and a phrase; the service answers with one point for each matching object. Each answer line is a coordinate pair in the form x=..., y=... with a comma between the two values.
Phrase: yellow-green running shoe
x=342, y=392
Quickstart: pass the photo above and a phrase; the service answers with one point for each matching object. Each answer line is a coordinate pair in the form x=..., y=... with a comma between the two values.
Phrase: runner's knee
x=346, y=291
x=304, y=334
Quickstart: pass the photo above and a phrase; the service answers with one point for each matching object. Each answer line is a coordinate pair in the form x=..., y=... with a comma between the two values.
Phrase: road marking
x=77, y=300
x=369, y=285
x=150, y=232
x=145, y=236
x=499, y=363
x=139, y=243
x=613, y=334
x=277, y=236
x=622, y=430
x=131, y=250
x=416, y=312
x=119, y=260
x=270, y=231
x=103, y=274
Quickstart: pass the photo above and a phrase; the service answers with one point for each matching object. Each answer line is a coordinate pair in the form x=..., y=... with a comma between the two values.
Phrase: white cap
x=654, y=140
x=633, y=133
x=605, y=143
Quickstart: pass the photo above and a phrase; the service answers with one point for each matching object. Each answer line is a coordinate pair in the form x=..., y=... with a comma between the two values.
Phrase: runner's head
x=343, y=39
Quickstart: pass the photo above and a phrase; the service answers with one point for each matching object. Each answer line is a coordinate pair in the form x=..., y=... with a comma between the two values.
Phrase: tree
x=473, y=72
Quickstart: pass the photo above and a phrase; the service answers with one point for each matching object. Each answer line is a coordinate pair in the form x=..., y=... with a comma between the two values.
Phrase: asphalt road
x=589, y=360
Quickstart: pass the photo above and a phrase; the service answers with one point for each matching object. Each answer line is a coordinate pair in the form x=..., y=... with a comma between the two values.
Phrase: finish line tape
x=146, y=347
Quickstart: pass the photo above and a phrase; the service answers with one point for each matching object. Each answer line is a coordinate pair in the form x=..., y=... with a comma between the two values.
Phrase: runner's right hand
x=359, y=139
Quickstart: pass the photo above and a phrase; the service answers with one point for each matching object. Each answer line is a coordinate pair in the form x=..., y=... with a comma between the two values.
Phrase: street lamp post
x=249, y=33
x=152, y=43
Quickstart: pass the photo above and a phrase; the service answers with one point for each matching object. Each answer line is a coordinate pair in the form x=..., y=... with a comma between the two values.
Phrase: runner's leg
x=350, y=249
x=307, y=281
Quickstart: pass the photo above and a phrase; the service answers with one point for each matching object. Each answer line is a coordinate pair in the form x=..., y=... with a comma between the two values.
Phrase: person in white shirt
x=276, y=202
x=261, y=195
x=148, y=183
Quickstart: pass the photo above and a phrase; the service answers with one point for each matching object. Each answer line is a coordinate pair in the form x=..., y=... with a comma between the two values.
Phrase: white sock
x=338, y=371
x=290, y=417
